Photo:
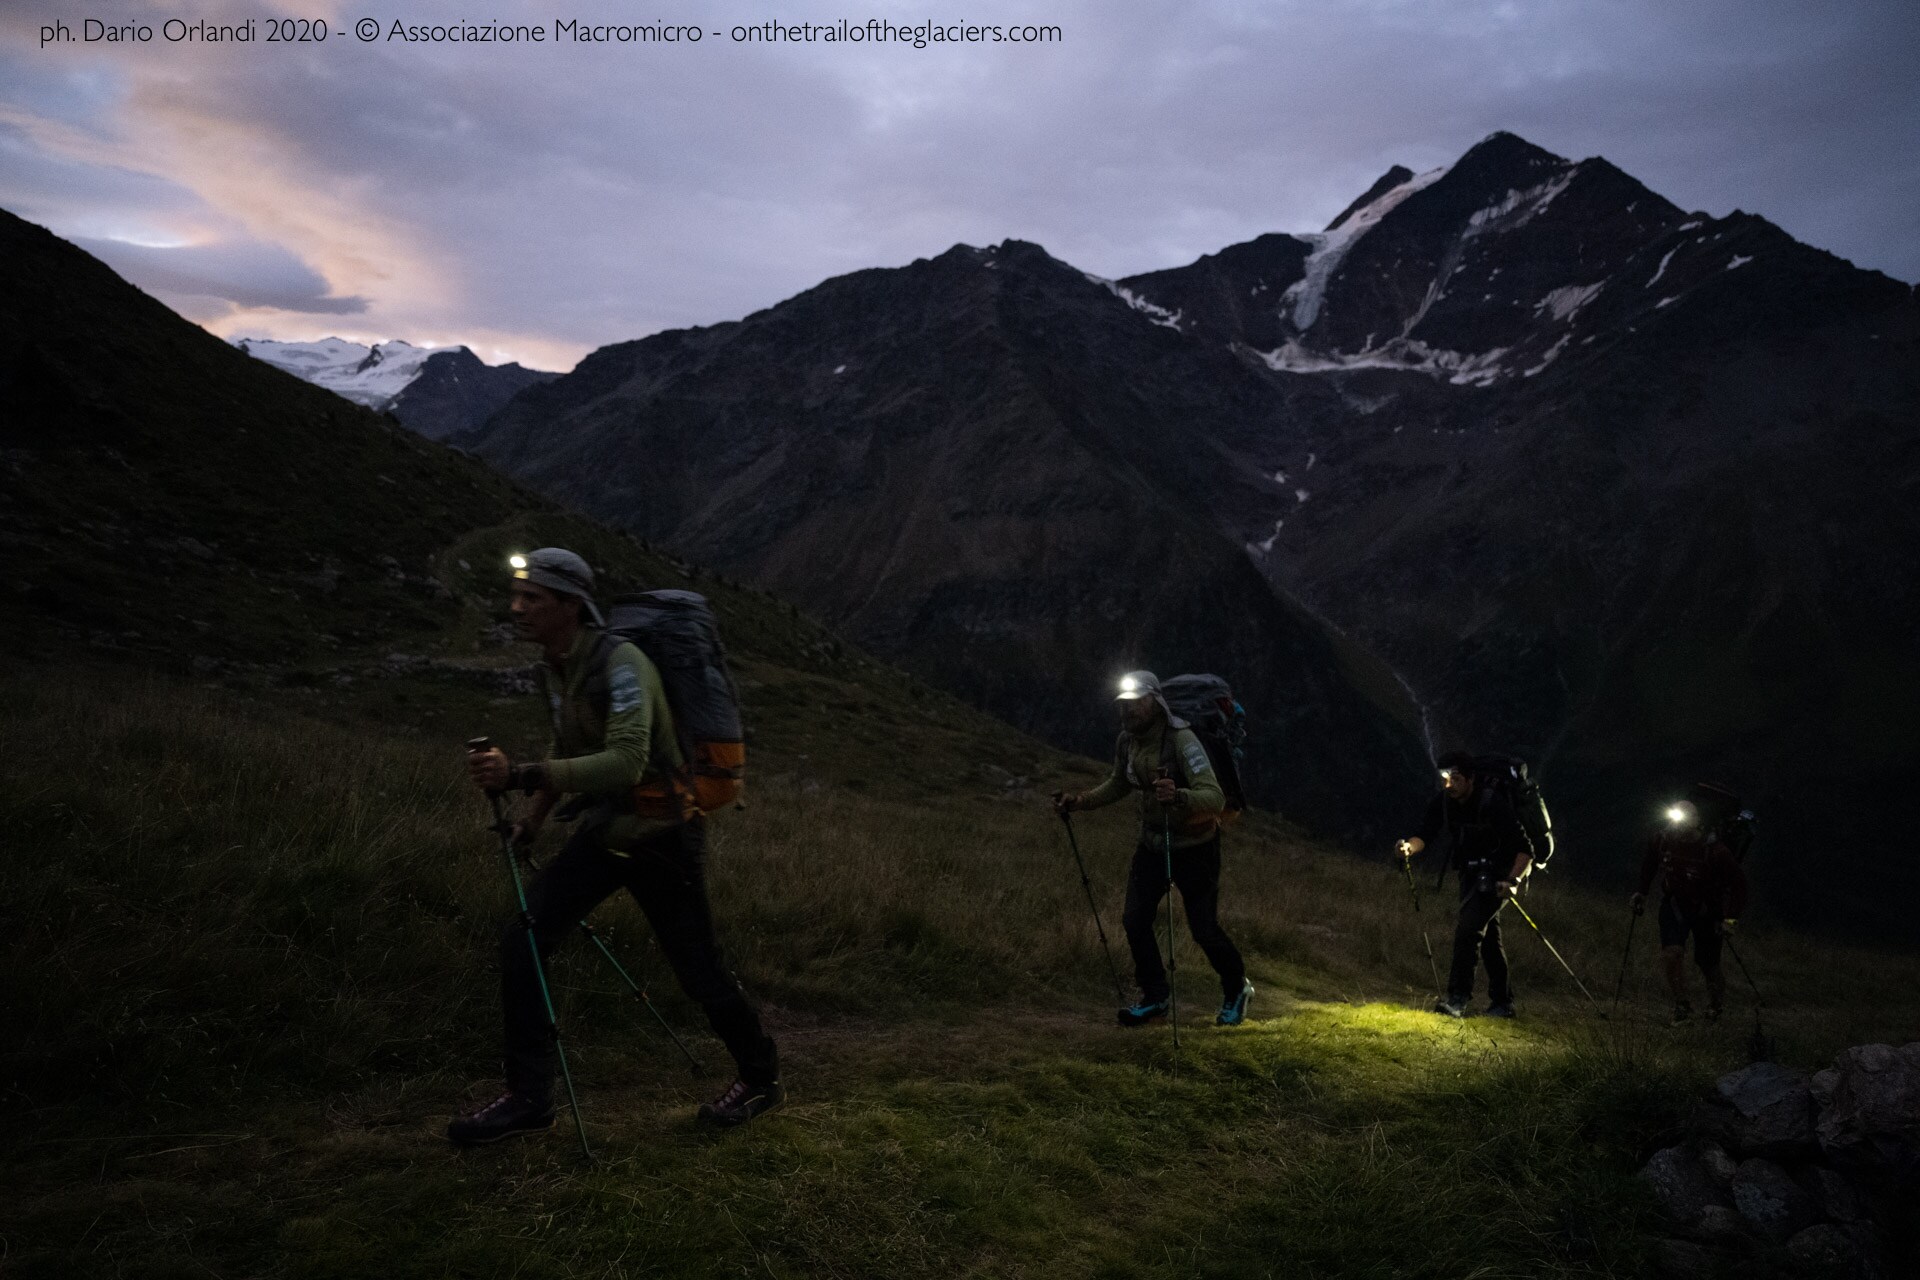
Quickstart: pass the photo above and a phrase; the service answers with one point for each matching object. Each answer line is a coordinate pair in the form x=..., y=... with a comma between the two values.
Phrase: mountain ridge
x=1474, y=434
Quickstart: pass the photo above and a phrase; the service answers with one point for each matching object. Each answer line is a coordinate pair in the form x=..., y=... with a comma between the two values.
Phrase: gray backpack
x=678, y=632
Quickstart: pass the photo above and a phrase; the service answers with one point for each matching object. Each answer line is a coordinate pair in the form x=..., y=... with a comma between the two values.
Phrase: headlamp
x=1129, y=685
x=519, y=563
x=1446, y=776
x=1676, y=814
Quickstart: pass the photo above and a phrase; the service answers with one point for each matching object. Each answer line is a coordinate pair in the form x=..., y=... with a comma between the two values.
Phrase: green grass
x=248, y=938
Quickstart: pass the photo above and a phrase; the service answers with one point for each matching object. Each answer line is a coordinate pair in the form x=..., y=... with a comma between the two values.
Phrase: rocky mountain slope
x=1613, y=485
x=985, y=467
x=1642, y=513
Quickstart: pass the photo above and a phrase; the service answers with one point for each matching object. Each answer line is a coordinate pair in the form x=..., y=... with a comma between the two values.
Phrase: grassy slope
x=250, y=948
x=247, y=914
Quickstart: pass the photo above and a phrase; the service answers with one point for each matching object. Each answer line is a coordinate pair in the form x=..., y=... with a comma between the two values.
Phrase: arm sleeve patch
x=623, y=689
x=1197, y=762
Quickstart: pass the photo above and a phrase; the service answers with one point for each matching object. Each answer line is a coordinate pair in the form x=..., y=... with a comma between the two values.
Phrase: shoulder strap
x=597, y=692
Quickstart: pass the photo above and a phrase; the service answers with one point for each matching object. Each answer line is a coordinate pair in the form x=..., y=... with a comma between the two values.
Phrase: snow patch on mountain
x=1408, y=355
x=1265, y=545
x=1552, y=354
x=1152, y=311
x=1565, y=301
x=1527, y=205
x=1663, y=267
x=1329, y=248
x=372, y=376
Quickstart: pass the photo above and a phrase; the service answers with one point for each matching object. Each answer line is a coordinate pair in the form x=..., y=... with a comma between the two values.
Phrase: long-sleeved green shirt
x=1137, y=762
x=605, y=755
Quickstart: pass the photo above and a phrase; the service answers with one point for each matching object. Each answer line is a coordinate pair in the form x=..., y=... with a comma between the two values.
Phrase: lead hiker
x=612, y=730
x=1158, y=756
x=1703, y=890
x=1493, y=852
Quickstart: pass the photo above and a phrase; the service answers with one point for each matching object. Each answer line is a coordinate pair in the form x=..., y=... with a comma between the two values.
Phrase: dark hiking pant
x=1197, y=872
x=666, y=874
x=1678, y=918
x=1478, y=929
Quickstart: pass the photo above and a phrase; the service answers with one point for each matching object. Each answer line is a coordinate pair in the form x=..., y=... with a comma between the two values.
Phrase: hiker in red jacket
x=1702, y=892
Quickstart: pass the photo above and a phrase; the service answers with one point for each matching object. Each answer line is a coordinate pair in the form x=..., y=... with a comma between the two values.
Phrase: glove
x=1726, y=927
x=1506, y=888
x=527, y=778
x=1404, y=849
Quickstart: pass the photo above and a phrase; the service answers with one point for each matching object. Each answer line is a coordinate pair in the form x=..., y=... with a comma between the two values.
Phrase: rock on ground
x=1869, y=1108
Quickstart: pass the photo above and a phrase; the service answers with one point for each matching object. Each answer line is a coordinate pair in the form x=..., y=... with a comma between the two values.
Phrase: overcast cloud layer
x=536, y=202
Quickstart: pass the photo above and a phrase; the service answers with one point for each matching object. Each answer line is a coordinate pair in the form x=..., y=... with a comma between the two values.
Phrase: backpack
x=1724, y=818
x=1208, y=706
x=678, y=633
x=1509, y=774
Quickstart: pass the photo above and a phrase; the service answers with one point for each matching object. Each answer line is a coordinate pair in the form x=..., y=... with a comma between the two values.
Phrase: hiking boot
x=1450, y=1007
x=1500, y=1009
x=1682, y=1012
x=1143, y=1011
x=741, y=1103
x=505, y=1116
x=1233, y=1009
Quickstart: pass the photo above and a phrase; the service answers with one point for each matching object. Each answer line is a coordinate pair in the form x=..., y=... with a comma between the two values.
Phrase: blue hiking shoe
x=1233, y=1009
x=1143, y=1011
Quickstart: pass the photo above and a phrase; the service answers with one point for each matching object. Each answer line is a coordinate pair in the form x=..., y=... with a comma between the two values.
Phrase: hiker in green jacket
x=1158, y=757
x=612, y=729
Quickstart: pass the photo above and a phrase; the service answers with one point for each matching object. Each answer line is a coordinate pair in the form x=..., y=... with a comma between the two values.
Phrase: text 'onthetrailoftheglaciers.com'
x=313, y=31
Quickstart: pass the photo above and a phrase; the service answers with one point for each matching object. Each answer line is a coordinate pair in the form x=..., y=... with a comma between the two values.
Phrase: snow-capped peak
x=1329, y=247
x=369, y=375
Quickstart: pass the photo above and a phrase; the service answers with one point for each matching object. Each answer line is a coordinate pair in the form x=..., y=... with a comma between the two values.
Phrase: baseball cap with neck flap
x=561, y=571
x=1144, y=684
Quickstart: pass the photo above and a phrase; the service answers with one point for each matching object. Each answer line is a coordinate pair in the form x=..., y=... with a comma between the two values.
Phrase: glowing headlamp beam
x=518, y=562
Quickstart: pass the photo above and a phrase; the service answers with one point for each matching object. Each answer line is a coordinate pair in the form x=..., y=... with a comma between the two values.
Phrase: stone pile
x=1799, y=1176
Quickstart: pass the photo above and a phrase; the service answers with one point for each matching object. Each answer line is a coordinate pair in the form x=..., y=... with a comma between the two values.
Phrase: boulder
x=1768, y=1197
x=1853, y=1252
x=1689, y=1196
x=1683, y=1260
x=1762, y=1110
x=1869, y=1109
x=1833, y=1195
x=1715, y=1160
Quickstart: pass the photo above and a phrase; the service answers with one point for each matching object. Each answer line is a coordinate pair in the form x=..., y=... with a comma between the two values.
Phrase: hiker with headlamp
x=612, y=728
x=1158, y=757
x=1703, y=890
x=1492, y=852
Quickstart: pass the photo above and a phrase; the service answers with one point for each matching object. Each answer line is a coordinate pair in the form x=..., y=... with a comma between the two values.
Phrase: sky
x=538, y=200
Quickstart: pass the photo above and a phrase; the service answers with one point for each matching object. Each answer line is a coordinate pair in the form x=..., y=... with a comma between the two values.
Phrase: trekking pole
x=1758, y=999
x=505, y=831
x=1173, y=999
x=1626, y=956
x=1407, y=866
x=1759, y=1044
x=1556, y=953
x=641, y=993
x=1086, y=884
